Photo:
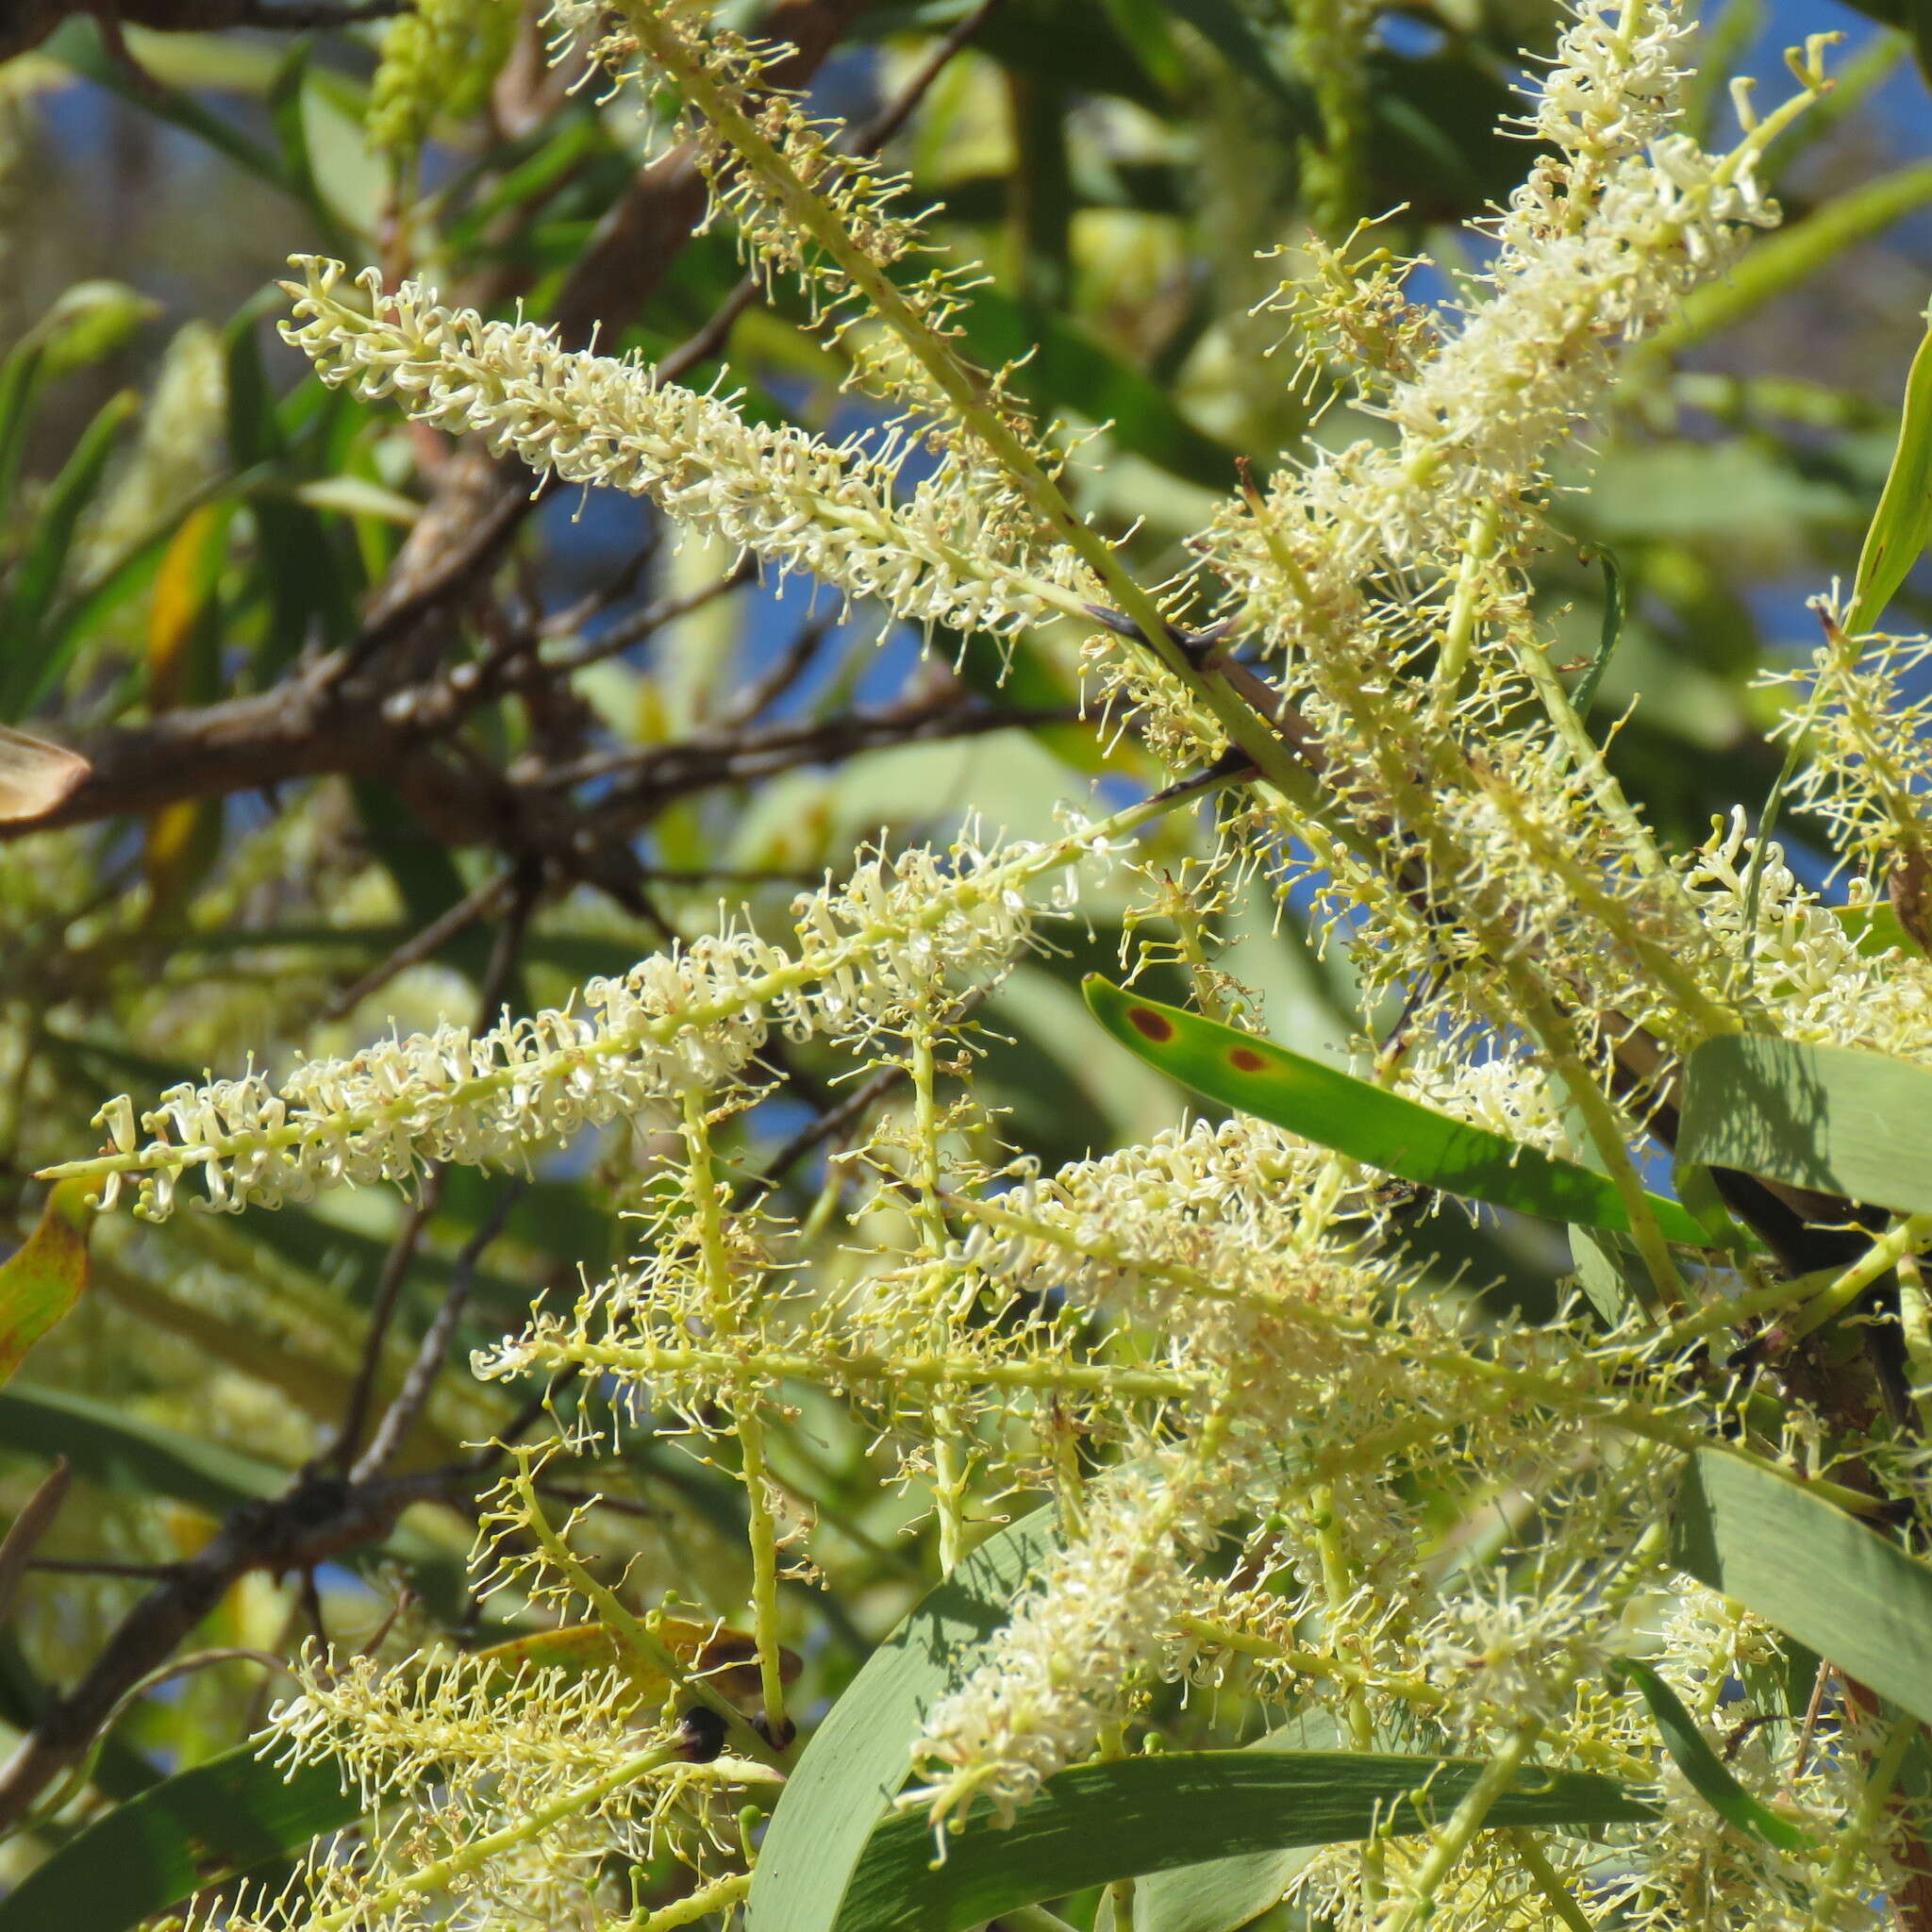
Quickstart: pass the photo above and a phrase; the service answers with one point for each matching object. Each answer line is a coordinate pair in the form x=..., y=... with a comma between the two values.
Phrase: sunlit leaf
x=1829, y=1118
x=1838, y=1586
x=1103, y=1821
x=1700, y=1765
x=1381, y=1129
x=860, y=1756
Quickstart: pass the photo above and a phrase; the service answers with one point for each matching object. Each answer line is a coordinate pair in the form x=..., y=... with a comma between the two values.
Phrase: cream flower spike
x=791, y=501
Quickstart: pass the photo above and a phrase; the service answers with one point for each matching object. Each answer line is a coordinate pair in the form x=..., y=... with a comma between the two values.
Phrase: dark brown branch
x=317, y=1520
x=330, y=719
x=26, y=22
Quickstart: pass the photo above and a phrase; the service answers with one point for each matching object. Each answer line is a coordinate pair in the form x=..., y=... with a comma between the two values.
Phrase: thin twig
x=480, y=903
x=98, y=1566
x=402, y=1414
x=639, y=624
x=527, y=884
x=24, y=1535
x=395, y=1269
x=709, y=341
x=786, y=670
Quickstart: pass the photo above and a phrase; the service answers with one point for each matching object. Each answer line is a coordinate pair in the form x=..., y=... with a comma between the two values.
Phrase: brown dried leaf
x=35, y=777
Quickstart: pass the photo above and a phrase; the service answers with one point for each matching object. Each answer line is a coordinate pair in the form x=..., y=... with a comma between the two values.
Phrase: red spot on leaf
x=1244, y=1059
x=1155, y=1026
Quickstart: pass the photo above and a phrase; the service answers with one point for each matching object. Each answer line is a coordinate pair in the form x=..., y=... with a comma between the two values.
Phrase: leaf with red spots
x=1380, y=1130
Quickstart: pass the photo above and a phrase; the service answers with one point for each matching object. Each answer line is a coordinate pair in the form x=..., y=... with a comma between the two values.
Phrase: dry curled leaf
x=35, y=777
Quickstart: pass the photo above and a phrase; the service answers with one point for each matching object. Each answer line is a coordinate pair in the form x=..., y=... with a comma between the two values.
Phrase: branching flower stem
x=1910, y=1235
x=632, y=1631
x=725, y=1309
x=1826, y=1292
x=1338, y=1589
x=1021, y=869
x=1458, y=634
x=1858, y=1831
x=1455, y=1836
x=719, y=1897
x=435, y=1875
x=1548, y=1881
x=951, y=1461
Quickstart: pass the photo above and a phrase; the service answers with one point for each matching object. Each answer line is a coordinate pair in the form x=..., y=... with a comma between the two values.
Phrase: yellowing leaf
x=726, y=1657
x=44, y=1278
x=181, y=588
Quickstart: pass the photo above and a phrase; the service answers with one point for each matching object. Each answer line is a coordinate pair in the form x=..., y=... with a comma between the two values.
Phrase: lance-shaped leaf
x=1099, y=1823
x=860, y=1755
x=44, y=1278
x=233, y=1814
x=1225, y=1894
x=1700, y=1765
x=1838, y=1586
x=1368, y=1123
x=1829, y=1118
x=1901, y=525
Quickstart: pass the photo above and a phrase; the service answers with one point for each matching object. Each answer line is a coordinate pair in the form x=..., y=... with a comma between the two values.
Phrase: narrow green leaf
x=43, y=1277
x=1585, y=695
x=299, y=565
x=1610, y=1273
x=90, y=321
x=21, y=377
x=1808, y=1568
x=1902, y=524
x=224, y=1817
x=78, y=45
x=860, y=1756
x=1830, y=1118
x=108, y=1445
x=43, y=563
x=1700, y=1765
x=1383, y=1130
x=1224, y=1895
x=1102, y=1821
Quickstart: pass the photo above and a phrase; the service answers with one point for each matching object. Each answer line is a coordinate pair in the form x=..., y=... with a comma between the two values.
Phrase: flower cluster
x=1597, y=247
x=1286, y=1448
x=1865, y=723
x=438, y=59
x=889, y=940
x=931, y=553
x=1803, y=963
